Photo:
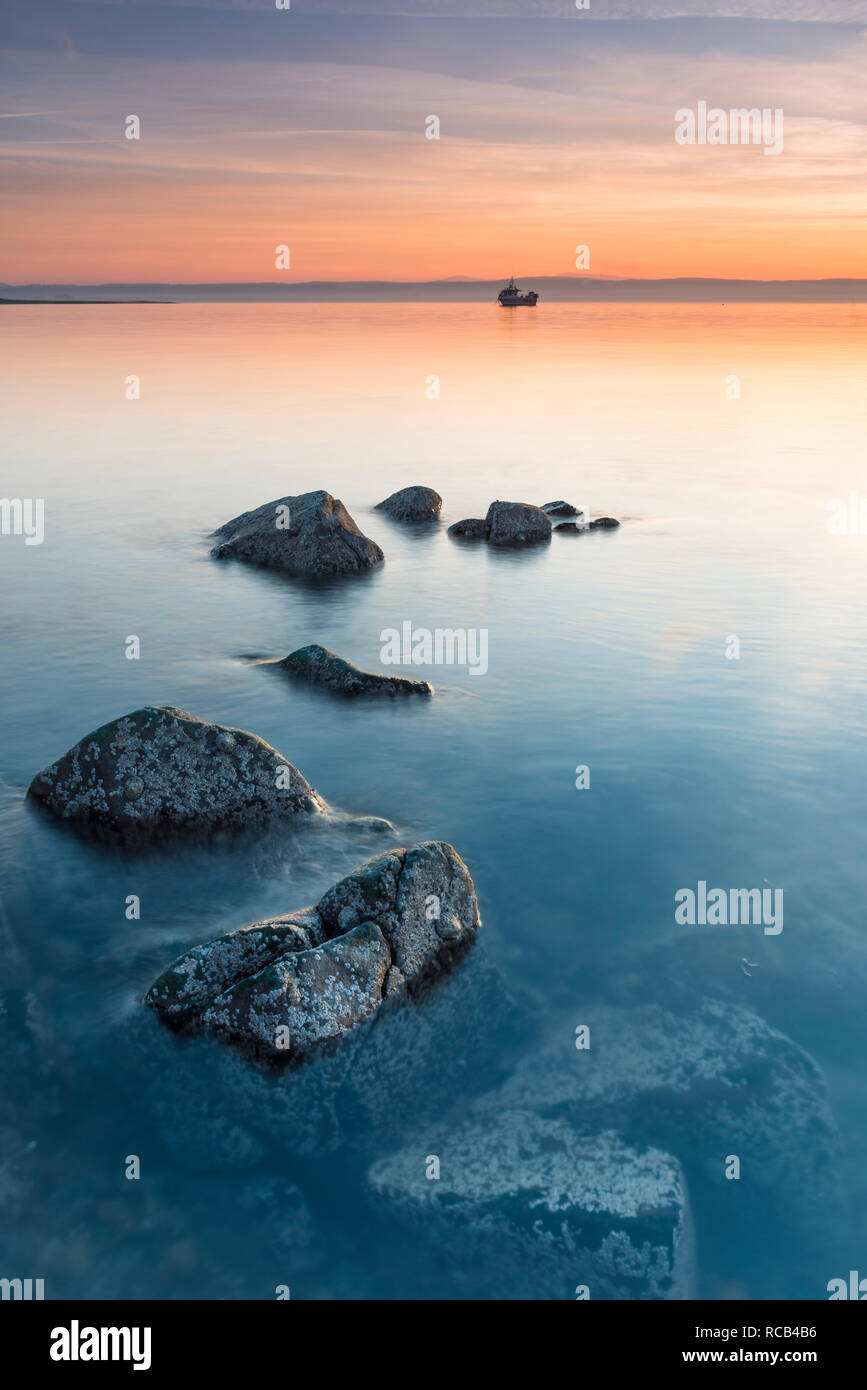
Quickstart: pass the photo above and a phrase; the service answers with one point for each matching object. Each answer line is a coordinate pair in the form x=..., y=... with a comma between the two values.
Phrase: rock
x=309, y=536
x=606, y=523
x=371, y=825
x=412, y=504
x=189, y=985
x=387, y=928
x=307, y=996
x=561, y=509
x=540, y=1207
x=162, y=770
x=713, y=1081
x=517, y=523
x=474, y=528
x=573, y=527
x=323, y=667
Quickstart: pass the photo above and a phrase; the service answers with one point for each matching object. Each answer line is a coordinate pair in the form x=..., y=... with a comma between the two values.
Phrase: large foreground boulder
x=412, y=504
x=161, y=770
x=546, y=1210
x=282, y=987
x=308, y=536
x=320, y=666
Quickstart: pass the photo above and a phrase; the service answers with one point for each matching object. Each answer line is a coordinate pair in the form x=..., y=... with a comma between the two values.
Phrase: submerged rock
x=561, y=509
x=412, y=504
x=323, y=667
x=517, y=523
x=714, y=1081
x=474, y=528
x=308, y=536
x=281, y=987
x=541, y=1207
x=606, y=523
x=161, y=770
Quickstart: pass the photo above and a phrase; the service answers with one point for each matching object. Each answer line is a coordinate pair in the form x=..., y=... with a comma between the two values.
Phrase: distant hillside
x=553, y=289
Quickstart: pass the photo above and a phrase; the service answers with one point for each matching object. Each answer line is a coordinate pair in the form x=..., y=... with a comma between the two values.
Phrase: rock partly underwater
x=283, y=987
x=161, y=770
x=309, y=536
x=412, y=504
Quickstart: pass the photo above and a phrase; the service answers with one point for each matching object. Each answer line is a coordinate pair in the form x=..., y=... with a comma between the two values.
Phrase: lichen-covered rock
x=306, y=997
x=714, y=1081
x=284, y=986
x=543, y=1207
x=323, y=667
x=162, y=770
x=473, y=528
x=561, y=508
x=413, y=504
x=517, y=523
x=308, y=536
x=188, y=986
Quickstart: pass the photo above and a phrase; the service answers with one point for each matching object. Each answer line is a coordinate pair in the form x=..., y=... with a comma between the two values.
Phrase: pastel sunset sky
x=306, y=127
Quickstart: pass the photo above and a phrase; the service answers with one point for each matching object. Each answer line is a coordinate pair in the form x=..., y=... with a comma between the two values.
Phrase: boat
x=511, y=296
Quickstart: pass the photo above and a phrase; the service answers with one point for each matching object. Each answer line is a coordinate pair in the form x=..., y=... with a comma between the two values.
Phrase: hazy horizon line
x=450, y=280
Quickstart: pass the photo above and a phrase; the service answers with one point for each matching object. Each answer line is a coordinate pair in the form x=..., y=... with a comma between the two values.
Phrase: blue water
x=607, y=650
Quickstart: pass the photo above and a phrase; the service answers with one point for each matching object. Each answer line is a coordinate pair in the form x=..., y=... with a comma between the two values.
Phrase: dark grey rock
x=308, y=536
x=413, y=504
x=473, y=528
x=574, y=528
x=320, y=666
x=161, y=770
x=561, y=509
x=517, y=523
x=282, y=987
x=606, y=523
x=543, y=1206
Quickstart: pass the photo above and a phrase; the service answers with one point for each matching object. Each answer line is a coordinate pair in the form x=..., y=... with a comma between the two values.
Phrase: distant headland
x=565, y=289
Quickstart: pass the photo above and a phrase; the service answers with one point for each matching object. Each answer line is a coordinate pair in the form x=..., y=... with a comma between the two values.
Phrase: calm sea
x=720, y=436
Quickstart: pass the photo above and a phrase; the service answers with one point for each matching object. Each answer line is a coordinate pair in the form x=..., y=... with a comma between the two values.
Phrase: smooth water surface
x=607, y=649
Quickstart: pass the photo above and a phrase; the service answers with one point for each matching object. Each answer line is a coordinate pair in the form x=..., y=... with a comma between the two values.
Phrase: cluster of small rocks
x=522, y=523
x=313, y=536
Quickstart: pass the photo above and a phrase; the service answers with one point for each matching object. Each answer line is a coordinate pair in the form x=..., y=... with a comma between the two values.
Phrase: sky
x=306, y=128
